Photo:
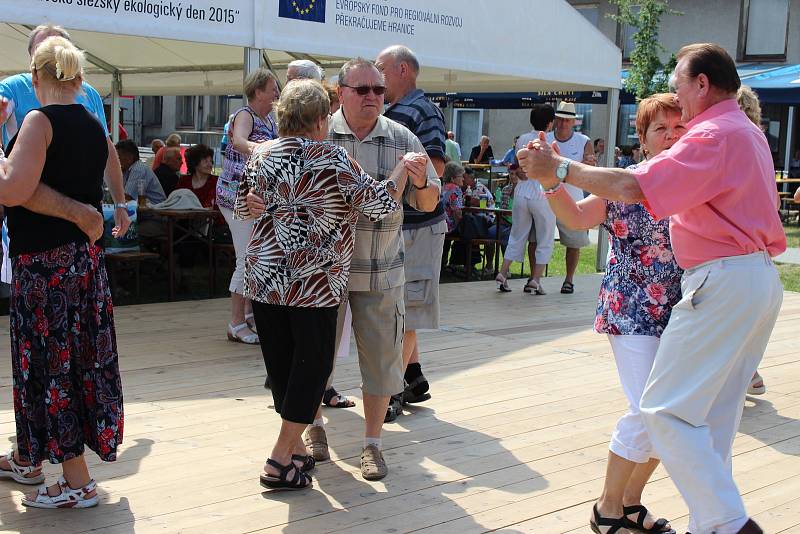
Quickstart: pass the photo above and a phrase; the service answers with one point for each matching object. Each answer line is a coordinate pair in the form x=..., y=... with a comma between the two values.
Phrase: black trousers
x=298, y=345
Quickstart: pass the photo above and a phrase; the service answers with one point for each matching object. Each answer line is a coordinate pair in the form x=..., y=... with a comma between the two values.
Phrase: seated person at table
x=136, y=176
x=200, y=180
x=482, y=153
x=452, y=201
x=167, y=172
x=506, y=202
x=511, y=154
x=475, y=191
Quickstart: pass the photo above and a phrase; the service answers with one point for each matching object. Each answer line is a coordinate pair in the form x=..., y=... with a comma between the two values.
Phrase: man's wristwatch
x=391, y=185
x=121, y=205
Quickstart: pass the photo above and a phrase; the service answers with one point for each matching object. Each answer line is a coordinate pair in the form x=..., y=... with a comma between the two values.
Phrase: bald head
x=173, y=158
x=400, y=68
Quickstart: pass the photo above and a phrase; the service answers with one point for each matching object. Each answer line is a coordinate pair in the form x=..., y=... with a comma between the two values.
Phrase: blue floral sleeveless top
x=642, y=281
x=234, y=162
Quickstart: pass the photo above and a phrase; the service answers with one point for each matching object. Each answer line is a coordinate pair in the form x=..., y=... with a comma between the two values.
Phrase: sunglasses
x=363, y=90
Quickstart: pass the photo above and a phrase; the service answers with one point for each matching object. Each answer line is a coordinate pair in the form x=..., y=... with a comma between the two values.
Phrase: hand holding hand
x=540, y=161
x=255, y=204
x=416, y=165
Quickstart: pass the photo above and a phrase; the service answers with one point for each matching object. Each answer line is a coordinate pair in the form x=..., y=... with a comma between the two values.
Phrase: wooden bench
x=133, y=258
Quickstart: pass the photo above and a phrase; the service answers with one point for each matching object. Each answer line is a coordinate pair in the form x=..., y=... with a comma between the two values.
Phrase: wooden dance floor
x=515, y=438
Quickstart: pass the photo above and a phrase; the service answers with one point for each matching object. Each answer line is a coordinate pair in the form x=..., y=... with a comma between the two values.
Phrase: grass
x=792, y=235
x=790, y=276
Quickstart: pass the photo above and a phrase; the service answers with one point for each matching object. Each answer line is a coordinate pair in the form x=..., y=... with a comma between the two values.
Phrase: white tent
x=158, y=47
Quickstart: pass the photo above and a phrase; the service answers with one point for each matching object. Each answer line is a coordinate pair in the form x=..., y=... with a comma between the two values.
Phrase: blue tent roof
x=780, y=85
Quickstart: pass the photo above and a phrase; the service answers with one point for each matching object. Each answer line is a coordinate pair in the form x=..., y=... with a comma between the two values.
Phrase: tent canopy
x=780, y=85
x=157, y=48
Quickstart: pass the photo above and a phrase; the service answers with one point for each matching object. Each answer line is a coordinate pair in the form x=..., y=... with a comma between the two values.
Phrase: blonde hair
x=748, y=102
x=58, y=63
x=173, y=139
x=302, y=103
x=258, y=79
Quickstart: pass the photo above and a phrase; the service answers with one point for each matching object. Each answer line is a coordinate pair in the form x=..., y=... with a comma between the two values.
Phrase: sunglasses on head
x=363, y=90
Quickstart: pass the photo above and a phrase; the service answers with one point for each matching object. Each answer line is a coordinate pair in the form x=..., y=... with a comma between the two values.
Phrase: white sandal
x=502, y=284
x=68, y=498
x=249, y=318
x=233, y=335
x=18, y=473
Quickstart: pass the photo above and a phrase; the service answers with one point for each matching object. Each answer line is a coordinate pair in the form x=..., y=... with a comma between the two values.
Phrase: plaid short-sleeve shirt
x=377, y=262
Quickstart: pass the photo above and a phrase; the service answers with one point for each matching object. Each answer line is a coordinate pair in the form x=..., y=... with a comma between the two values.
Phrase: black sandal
x=416, y=391
x=309, y=463
x=567, y=288
x=612, y=524
x=660, y=526
x=299, y=481
x=329, y=395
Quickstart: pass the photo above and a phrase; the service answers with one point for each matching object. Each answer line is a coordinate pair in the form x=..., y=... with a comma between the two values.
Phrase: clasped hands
x=540, y=160
x=415, y=164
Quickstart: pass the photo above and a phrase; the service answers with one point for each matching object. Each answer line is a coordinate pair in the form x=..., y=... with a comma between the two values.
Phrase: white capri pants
x=634, y=356
x=532, y=221
x=241, y=231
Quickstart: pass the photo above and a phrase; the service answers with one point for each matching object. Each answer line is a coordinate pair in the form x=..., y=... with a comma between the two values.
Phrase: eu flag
x=310, y=10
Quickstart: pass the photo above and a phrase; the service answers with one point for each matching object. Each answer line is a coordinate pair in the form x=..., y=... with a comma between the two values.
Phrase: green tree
x=647, y=74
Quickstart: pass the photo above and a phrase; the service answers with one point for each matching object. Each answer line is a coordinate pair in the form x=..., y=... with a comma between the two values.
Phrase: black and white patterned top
x=301, y=247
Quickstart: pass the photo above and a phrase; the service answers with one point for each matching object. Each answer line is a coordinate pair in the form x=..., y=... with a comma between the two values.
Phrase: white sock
x=318, y=422
x=373, y=441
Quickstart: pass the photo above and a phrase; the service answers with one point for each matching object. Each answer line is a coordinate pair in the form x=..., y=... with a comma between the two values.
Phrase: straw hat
x=566, y=110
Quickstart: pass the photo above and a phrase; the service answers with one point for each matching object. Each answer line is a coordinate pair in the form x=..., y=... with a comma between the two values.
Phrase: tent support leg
x=789, y=139
x=116, y=89
x=611, y=142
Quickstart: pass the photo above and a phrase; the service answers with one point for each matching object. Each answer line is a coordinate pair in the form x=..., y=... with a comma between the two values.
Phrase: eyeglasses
x=363, y=90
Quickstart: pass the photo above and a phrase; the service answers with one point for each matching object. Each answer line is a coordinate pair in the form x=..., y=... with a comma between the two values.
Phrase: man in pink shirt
x=717, y=184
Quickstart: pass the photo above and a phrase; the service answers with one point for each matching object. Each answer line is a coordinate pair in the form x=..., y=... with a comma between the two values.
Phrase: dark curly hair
x=195, y=154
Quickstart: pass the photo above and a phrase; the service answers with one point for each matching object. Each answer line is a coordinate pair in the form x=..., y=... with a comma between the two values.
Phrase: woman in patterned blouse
x=298, y=260
x=641, y=285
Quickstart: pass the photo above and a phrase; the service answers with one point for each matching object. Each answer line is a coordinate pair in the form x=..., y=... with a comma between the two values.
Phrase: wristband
x=552, y=191
x=121, y=206
x=423, y=187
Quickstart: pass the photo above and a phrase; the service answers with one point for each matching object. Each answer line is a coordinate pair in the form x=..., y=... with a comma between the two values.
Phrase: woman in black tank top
x=67, y=389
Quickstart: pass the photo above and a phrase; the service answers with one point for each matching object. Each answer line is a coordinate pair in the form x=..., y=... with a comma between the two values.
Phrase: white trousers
x=634, y=356
x=241, y=231
x=693, y=400
x=533, y=221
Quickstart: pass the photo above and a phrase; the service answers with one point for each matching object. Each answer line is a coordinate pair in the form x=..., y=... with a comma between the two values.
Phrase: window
x=626, y=133
x=583, y=123
x=626, y=36
x=184, y=112
x=151, y=110
x=590, y=12
x=765, y=29
x=217, y=111
x=468, y=125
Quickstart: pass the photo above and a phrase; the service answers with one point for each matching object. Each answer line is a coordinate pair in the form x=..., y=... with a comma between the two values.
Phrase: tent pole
x=611, y=142
x=789, y=131
x=252, y=60
x=116, y=89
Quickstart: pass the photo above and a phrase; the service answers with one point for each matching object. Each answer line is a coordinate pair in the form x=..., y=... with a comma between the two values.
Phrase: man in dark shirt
x=423, y=233
x=167, y=172
x=482, y=153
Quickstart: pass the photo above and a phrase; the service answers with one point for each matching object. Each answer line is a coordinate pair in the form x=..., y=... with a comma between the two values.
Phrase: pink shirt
x=718, y=184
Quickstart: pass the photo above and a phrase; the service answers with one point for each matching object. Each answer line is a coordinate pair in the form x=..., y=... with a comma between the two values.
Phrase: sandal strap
x=616, y=523
x=658, y=526
x=79, y=492
x=308, y=461
x=284, y=471
x=21, y=470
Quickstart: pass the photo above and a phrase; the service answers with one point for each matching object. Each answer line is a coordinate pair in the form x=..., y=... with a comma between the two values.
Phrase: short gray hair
x=49, y=30
x=306, y=69
x=355, y=63
x=403, y=54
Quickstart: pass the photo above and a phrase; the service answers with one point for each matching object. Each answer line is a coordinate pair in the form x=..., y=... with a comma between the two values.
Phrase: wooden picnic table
x=182, y=223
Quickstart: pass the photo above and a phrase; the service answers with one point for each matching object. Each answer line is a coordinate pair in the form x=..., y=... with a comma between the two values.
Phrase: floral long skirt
x=67, y=388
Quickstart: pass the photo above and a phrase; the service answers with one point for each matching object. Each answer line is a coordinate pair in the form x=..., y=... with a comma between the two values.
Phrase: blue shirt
x=19, y=90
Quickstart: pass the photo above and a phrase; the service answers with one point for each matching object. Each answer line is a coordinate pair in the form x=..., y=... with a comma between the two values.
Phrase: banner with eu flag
x=310, y=10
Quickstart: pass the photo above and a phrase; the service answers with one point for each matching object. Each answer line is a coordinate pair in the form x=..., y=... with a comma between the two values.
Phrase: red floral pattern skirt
x=67, y=388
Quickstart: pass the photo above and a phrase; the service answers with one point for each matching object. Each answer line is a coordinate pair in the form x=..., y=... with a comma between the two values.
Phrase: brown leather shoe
x=373, y=466
x=316, y=440
x=751, y=528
